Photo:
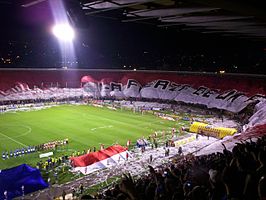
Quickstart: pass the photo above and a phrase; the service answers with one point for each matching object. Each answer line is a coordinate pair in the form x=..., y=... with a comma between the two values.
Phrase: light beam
x=63, y=32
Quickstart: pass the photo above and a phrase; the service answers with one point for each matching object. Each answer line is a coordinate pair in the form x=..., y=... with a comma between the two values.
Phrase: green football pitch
x=85, y=126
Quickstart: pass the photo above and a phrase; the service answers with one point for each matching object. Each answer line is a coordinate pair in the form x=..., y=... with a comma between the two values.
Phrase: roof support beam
x=119, y=7
x=139, y=19
x=240, y=7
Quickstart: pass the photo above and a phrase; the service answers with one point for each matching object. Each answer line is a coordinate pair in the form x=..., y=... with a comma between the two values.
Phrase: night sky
x=104, y=42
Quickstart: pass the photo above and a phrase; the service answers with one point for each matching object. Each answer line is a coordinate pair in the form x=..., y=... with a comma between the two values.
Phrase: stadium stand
x=229, y=175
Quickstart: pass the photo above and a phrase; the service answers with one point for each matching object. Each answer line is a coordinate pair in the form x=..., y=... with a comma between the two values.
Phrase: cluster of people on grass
x=31, y=149
x=52, y=144
x=3, y=109
x=18, y=152
x=237, y=174
x=89, y=150
x=51, y=163
x=164, y=136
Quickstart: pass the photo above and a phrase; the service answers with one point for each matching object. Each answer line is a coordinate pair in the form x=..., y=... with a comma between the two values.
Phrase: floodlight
x=64, y=32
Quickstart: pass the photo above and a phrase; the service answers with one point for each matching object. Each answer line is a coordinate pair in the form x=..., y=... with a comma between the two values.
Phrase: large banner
x=231, y=100
x=95, y=161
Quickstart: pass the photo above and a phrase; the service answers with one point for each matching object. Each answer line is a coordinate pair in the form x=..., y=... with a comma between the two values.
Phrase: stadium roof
x=244, y=19
x=227, y=18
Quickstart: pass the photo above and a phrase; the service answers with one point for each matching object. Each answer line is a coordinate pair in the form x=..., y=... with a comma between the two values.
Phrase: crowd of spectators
x=239, y=174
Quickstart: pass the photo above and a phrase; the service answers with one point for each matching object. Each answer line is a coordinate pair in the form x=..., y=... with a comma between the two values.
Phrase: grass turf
x=85, y=126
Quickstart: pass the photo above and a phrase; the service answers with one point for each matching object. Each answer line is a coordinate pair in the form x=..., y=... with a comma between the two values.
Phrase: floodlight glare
x=64, y=32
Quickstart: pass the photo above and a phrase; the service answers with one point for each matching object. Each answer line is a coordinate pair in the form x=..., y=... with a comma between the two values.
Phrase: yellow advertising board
x=206, y=129
x=185, y=141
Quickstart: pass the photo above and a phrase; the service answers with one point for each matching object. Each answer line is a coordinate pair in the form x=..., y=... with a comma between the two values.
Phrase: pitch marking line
x=21, y=135
x=13, y=139
x=93, y=129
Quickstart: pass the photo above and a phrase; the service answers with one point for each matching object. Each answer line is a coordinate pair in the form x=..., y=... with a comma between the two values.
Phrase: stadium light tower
x=65, y=34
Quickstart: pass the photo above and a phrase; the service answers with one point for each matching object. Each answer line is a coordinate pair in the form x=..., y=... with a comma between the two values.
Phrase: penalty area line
x=13, y=139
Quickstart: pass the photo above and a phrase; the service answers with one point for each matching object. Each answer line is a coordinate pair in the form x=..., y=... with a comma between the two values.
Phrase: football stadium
x=78, y=122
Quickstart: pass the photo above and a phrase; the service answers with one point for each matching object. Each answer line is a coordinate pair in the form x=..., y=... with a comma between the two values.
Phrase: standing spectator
x=180, y=151
x=73, y=193
x=262, y=188
x=155, y=144
x=5, y=194
x=128, y=143
x=126, y=156
x=150, y=161
x=81, y=188
x=64, y=194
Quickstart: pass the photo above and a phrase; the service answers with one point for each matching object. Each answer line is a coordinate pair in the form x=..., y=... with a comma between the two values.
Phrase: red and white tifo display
x=104, y=158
